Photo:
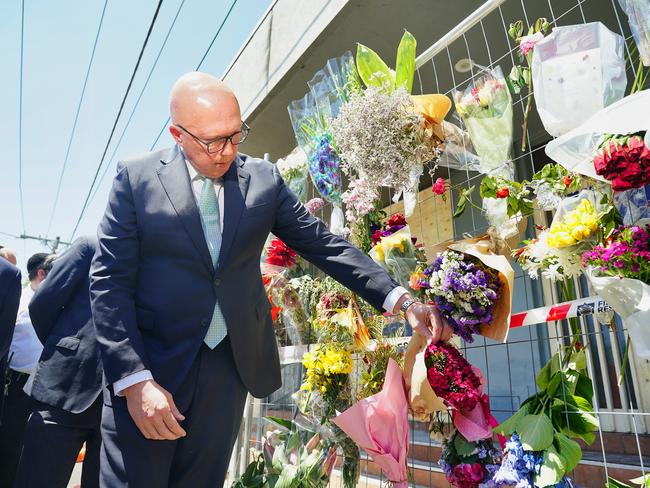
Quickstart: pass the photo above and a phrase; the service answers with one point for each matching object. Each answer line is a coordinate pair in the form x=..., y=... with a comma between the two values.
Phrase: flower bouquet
x=576, y=149
x=293, y=169
x=422, y=399
x=624, y=161
x=397, y=255
x=472, y=287
x=290, y=453
x=469, y=464
x=577, y=70
x=638, y=14
x=619, y=271
x=379, y=424
x=486, y=109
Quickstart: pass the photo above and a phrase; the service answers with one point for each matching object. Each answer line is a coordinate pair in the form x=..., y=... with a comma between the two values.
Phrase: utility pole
x=53, y=244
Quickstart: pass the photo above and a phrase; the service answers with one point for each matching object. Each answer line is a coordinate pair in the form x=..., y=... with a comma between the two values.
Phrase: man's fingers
x=175, y=411
x=172, y=424
x=424, y=331
x=447, y=332
x=147, y=430
x=161, y=428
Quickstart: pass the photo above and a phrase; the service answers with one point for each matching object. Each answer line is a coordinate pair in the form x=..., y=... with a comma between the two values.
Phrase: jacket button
x=205, y=322
x=217, y=282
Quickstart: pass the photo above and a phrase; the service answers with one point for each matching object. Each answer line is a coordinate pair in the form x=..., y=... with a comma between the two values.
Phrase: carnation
x=624, y=160
x=314, y=205
x=451, y=377
x=279, y=254
x=381, y=138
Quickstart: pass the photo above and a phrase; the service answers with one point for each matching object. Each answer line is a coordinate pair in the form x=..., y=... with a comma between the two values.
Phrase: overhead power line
x=117, y=118
x=198, y=66
x=76, y=119
x=137, y=102
x=20, y=115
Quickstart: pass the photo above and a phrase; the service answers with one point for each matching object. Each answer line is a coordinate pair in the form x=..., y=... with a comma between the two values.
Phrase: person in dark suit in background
x=24, y=351
x=67, y=382
x=9, y=300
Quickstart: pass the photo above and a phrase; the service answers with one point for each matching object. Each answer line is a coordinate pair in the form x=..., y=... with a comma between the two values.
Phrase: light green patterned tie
x=209, y=209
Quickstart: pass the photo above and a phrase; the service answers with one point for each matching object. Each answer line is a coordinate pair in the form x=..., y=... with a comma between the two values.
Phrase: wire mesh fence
x=622, y=447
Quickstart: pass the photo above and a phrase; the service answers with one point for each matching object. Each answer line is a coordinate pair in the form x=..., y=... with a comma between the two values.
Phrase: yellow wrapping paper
x=434, y=108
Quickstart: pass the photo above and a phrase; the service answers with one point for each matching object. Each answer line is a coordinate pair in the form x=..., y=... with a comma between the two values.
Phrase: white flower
x=294, y=165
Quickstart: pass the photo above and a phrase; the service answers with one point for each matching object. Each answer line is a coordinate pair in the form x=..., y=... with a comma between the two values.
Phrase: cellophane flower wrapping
x=293, y=169
x=486, y=109
x=633, y=205
x=397, y=255
x=577, y=70
x=619, y=271
x=638, y=15
x=576, y=149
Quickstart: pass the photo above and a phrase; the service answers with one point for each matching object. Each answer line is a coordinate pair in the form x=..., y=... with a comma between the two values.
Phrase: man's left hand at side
x=425, y=320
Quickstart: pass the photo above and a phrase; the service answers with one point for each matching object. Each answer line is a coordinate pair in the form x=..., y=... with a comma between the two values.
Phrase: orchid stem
x=624, y=362
x=524, y=127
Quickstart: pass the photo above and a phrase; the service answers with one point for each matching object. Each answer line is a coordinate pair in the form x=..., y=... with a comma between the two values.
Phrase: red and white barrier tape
x=560, y=311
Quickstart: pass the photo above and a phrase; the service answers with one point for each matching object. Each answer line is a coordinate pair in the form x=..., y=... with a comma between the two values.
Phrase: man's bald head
x=8, y=254
x=196, y=92
x=203, y=110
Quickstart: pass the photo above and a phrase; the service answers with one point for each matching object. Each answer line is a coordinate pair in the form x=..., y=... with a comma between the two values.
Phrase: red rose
x=503, y=192
x=397, y=219
x=376, y=237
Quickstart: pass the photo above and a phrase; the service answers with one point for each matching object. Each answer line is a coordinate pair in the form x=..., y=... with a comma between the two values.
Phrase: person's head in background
x=8, y=254
x=38, y=266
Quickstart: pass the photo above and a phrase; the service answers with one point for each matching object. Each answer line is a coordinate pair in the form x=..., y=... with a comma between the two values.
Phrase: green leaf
x=372, y=70
x=584, y=387
x=536, y=432
x=555, y=362
x=460, y=207
x=578, y=360
x=405, y=64
x=567, y=385
x=612, y=483
x=544, y=376
x=284, y=423
x=552, y=386
x=569, y=450
x=463, y=447
x=643, y=481
x=516, y=30
x=287, y=476
x=509, y=426
x=574, y=420
x=552, y=469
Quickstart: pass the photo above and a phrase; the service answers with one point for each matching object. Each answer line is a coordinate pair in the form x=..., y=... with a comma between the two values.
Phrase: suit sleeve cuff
x=392, y=298
x=120, y=385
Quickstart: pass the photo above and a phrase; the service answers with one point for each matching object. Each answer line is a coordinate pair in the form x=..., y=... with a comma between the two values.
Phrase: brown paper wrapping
x=483, y=249
x=422, y=400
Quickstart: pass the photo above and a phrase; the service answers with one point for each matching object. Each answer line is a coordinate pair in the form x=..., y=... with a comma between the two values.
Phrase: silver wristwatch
x=407, y=303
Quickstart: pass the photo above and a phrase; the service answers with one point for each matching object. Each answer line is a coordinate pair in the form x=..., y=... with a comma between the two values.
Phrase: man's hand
x=426, y=320
x=153, y=410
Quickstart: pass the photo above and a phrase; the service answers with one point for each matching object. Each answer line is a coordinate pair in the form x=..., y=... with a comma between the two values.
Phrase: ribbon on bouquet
x=478, y=423
x=560, y=311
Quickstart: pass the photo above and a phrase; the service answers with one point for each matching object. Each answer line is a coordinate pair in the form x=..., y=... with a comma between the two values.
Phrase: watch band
x=407, y=303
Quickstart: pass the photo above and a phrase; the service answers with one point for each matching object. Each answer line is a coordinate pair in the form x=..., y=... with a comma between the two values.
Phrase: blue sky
x=58, y=41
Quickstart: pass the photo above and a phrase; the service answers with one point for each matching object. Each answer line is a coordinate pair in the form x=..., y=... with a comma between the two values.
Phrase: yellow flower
x=575, y=226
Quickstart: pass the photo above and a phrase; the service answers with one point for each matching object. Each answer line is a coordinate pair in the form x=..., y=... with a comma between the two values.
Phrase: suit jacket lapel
x=176, y=182
x=235, y=186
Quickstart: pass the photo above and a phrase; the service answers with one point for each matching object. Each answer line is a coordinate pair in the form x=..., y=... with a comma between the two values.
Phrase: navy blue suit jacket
x=154, y=287
x=69, y=372
x=9, y=300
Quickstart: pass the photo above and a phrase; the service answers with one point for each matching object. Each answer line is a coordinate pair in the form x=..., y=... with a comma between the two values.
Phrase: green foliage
x=375, y=72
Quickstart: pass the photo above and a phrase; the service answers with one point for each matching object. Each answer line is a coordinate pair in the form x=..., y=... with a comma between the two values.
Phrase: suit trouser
x=52, y=442
x=212, y=400
x=15, y=412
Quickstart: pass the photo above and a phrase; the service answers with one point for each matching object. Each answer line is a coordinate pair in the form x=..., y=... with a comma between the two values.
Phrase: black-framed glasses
x=219, y=143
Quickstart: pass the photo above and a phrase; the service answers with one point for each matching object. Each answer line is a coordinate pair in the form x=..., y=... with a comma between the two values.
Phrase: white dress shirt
x=26, y=348
x=196, y=182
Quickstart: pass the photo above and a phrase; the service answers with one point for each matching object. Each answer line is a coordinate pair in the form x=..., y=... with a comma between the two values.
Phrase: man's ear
x=176, y=133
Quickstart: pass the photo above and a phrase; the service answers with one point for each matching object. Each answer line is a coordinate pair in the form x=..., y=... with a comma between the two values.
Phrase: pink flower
x=527, y=43
x=439, y=187
x=314, y=205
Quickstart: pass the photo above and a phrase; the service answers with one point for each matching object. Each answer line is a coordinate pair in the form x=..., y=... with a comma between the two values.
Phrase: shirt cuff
x=392, y=298
x=120, y=385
